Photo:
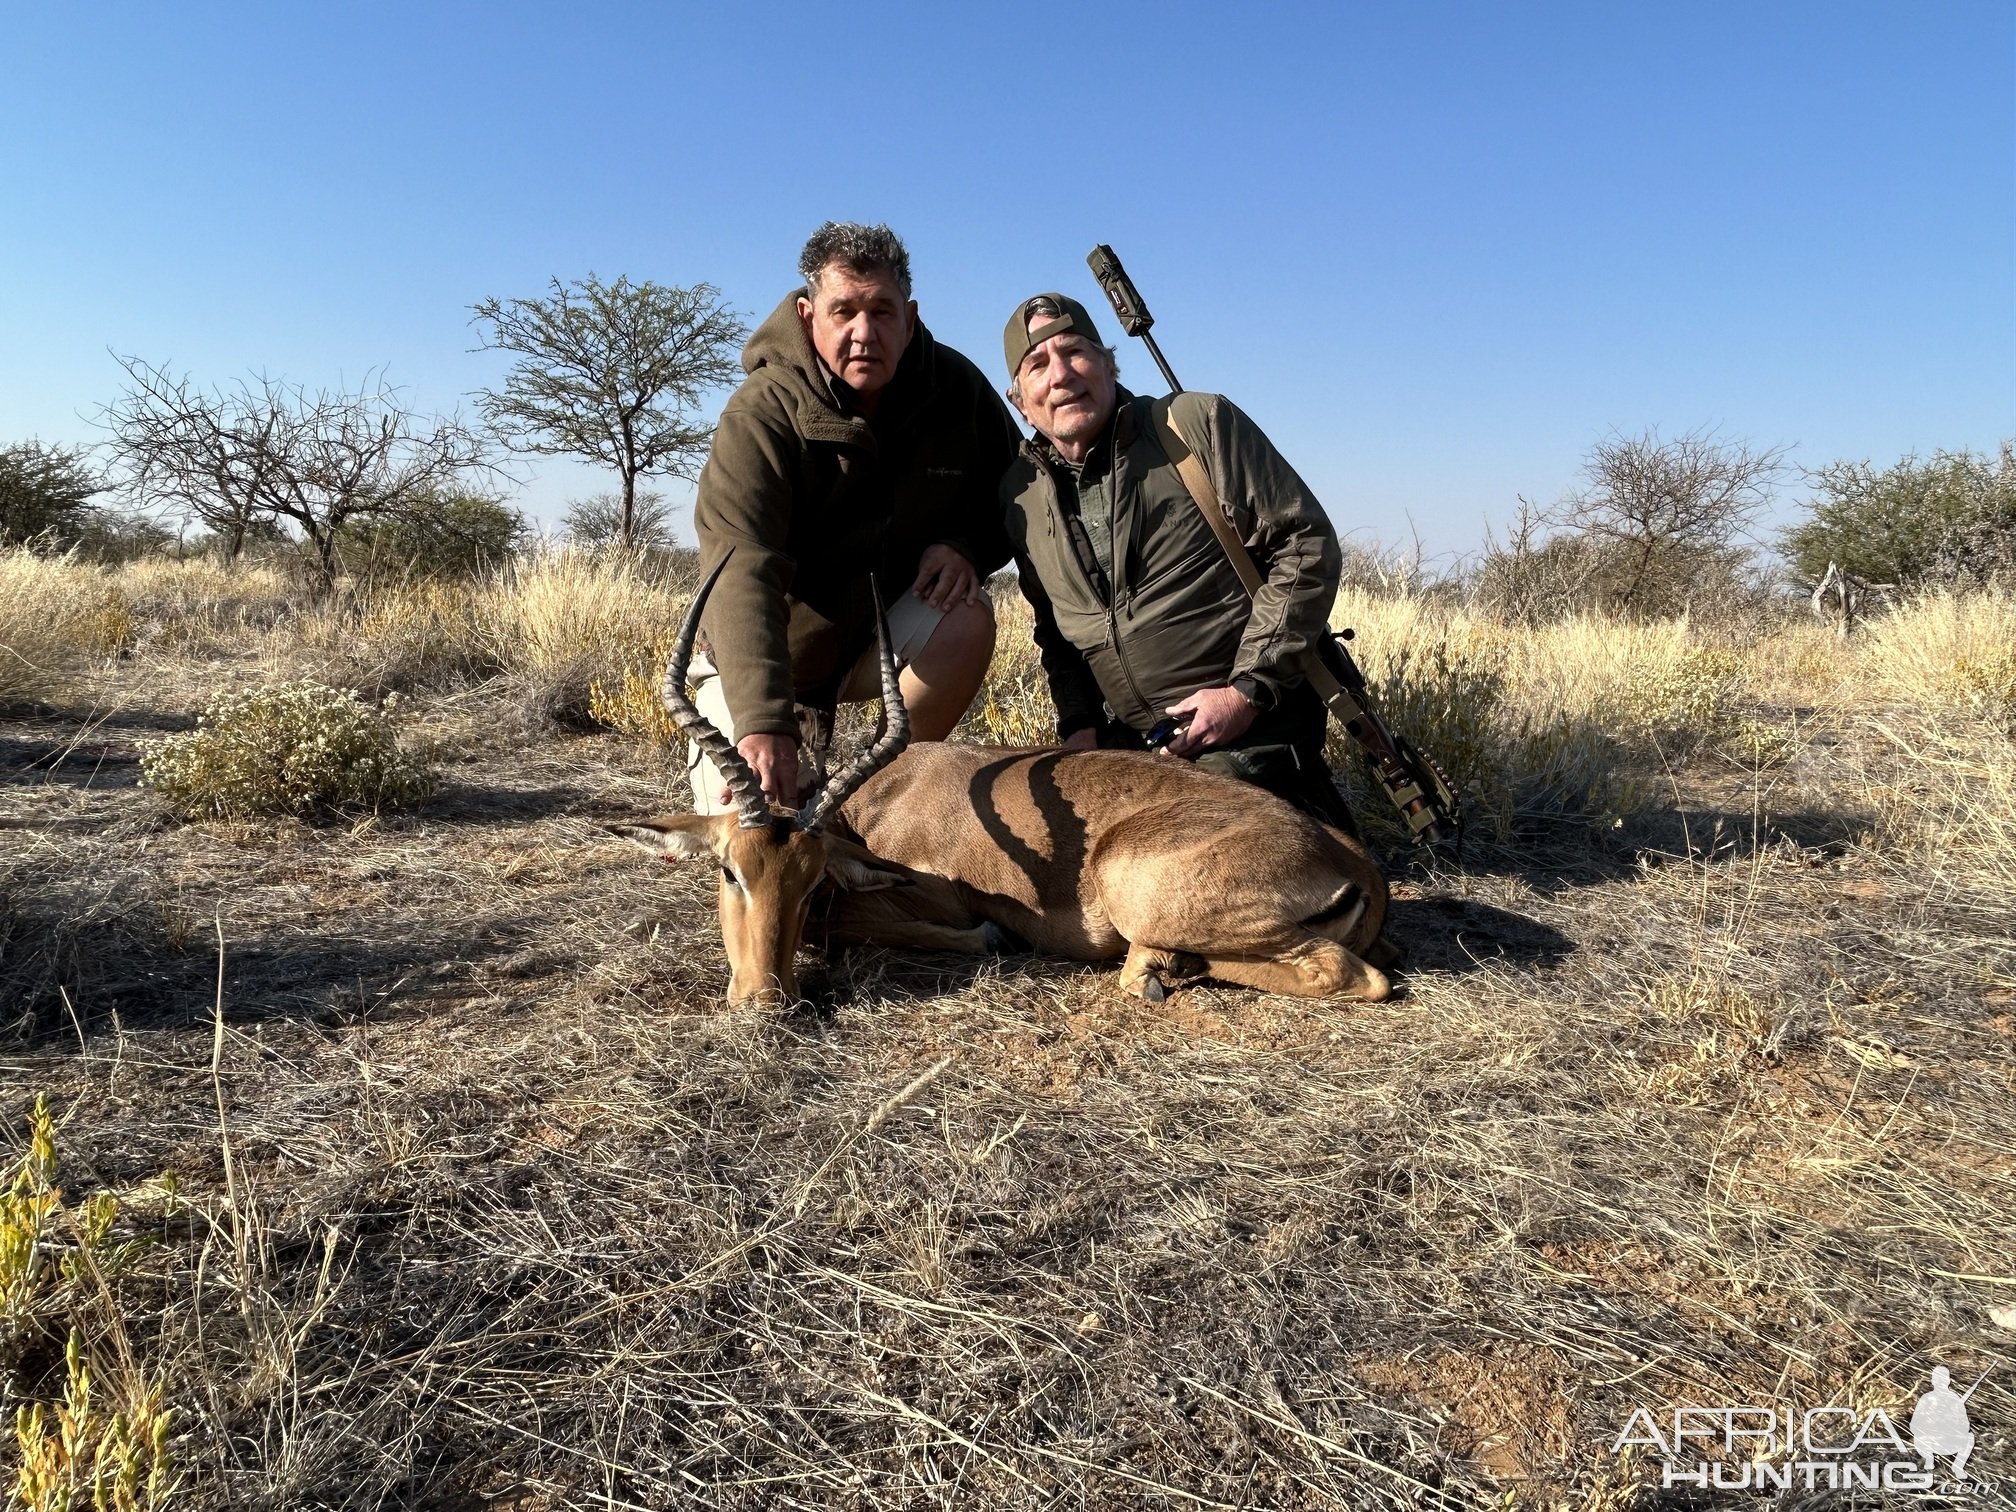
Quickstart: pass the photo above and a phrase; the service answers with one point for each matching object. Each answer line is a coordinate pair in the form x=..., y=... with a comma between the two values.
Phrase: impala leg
x=926, y=916
x=1150, y=972
x=1313, y=967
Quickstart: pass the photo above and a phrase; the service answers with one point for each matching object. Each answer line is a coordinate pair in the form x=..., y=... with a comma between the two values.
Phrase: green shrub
x=104, y=1441
x=449, y=536
x=1947, y=519
x=301, y=748
x=46, y=493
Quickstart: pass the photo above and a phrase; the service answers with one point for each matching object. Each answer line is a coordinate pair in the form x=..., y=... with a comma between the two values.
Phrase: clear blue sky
x=1435, y=249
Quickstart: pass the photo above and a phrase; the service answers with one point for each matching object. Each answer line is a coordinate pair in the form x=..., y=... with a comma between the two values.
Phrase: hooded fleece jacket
x=810, y=499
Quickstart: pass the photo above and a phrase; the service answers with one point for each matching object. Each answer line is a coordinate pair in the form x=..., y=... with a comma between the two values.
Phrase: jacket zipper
x=1112, y=579
x=1120, y=561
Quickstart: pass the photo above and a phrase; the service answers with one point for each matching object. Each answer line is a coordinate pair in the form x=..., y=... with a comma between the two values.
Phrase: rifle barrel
x=1163, y=363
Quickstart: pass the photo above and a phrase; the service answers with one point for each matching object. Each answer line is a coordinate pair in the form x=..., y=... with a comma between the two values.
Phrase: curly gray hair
x=858, y=248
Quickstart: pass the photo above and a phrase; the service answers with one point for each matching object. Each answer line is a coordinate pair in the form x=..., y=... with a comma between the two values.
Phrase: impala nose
x=766, y=992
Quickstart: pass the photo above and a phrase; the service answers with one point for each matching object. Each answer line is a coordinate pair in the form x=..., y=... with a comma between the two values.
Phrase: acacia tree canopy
x=1657, y=525
x=46, y=491
x=613, y=374
x=1940, y=519
x=597, y=521
x=450, y=536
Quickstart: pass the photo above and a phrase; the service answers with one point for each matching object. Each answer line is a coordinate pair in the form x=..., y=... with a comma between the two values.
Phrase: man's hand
x=1217, y=717
x=1086, y=739
x=774, y=760
x=945, y=578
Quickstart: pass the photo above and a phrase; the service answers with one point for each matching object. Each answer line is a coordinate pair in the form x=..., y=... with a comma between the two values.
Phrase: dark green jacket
x=1173, y=618
x=812, y=499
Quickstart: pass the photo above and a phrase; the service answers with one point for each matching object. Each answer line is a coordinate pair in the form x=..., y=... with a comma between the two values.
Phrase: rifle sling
x=1204, y=494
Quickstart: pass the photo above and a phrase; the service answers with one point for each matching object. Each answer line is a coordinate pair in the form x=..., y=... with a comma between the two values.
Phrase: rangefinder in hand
x=1166, y=730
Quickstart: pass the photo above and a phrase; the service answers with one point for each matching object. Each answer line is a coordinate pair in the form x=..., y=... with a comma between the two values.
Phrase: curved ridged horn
x=750, y=803
x=843, y=784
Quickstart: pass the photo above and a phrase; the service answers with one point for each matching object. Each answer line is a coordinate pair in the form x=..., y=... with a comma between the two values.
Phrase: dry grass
x=486, y=1202
x=57, y=618
x=564, y=620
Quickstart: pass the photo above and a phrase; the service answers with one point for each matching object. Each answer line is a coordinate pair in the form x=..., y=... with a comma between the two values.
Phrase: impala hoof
x=1001, y=941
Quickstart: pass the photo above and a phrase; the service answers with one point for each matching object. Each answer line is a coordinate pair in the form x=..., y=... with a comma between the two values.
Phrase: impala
x=1093, y=855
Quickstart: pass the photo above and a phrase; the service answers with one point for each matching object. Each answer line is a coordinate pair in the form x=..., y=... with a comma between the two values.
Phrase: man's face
x=859, y=324
x=1067, y=388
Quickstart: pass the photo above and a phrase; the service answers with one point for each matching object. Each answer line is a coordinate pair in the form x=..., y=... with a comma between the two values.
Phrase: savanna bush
x=301, y=749
x=442, y=537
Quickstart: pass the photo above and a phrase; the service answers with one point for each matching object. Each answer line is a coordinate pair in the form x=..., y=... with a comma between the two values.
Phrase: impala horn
x=752, y=807
x=844, y=783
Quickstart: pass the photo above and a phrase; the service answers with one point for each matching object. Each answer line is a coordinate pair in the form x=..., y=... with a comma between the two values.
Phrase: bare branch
x=260, y=449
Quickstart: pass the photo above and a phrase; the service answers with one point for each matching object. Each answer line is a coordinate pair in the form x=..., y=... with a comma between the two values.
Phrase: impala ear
x=673, y=838
x=854, y=874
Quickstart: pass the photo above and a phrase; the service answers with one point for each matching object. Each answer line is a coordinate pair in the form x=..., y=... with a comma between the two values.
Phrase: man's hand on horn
x=774, y=760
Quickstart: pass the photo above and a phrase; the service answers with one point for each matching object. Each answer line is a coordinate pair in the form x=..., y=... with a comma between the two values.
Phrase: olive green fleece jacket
x=1173, y=616
x=806, y=500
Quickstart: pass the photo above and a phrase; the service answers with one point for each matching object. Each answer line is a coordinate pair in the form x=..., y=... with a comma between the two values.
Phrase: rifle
x=1413, y=779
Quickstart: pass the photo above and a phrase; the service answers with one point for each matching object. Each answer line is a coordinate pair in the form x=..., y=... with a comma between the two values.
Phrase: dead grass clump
x=1953, y=649
x=1801, y=664
x=1937, y=754
x=1014, y=707
x=56, y=619
x=1527, y=722
x=559, y=621
x=197, y=607
x=1946, y=804
x=397, y=637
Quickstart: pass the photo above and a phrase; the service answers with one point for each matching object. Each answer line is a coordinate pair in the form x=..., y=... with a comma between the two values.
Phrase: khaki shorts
x=912, y=622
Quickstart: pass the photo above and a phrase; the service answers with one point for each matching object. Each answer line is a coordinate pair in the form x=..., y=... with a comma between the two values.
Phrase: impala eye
x=730, y=878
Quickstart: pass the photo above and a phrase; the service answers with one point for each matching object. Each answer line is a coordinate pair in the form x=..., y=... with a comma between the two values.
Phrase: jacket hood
x=781, y=343
x=781, y=351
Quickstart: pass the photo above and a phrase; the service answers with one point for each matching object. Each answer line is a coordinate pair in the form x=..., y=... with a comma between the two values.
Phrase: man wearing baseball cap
x=1140, y=615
